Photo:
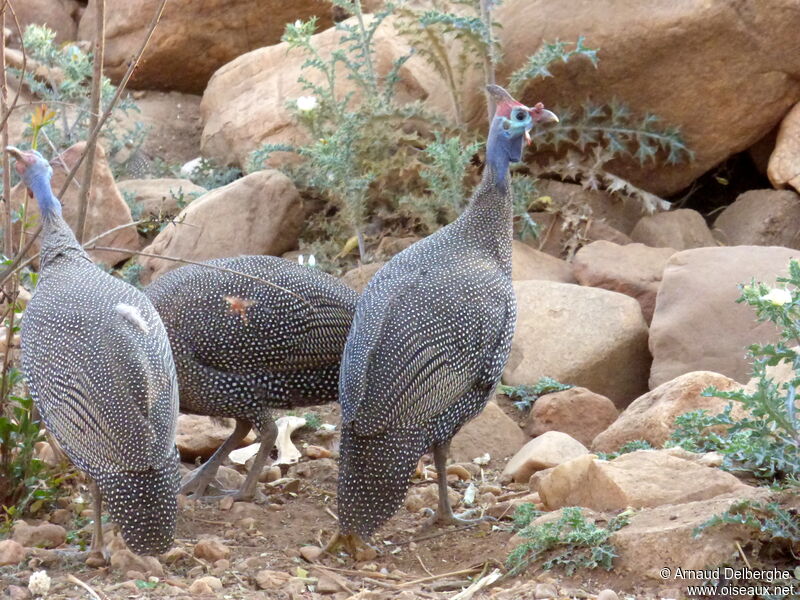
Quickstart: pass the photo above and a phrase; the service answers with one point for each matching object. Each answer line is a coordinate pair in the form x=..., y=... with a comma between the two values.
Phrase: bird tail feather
x=374, y=476
x=144, y=505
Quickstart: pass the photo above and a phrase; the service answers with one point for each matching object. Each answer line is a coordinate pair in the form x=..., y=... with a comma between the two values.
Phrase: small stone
x=326, y=585
x=607, y=595
x=226, y=503
x=124, y=560
x=460, y=472
x=174, y=555
x=310, y=553
x=11, y=553
x=200, y=588
x=271, y=580
x=545, y=590
x=270, y=474
x=548, y=450
x=46, y=535
x=212, y=582
x=487, y=488
x=315, y=452
x=211, y=550
x=60, y=516
x=16, y=592
x=135, y=575
x=246, y=523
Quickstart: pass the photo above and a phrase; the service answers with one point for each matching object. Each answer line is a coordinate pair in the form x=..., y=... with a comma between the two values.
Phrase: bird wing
x=422, y=339
x=241, y=326
x=105, y=386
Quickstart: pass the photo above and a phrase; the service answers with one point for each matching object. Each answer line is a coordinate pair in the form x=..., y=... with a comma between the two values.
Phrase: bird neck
x=47, y=201
x=57, y=237
x=488, y=219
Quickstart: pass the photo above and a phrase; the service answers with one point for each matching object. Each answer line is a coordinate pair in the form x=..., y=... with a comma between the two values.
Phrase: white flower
x=300, y=259
x=312, y=260
x=482, y=460
x=39, y=583
x=306, y=103
x=298, y=24
x=778, y=296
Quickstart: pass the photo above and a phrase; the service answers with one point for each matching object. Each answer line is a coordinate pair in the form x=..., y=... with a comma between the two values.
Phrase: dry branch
x=94, y=117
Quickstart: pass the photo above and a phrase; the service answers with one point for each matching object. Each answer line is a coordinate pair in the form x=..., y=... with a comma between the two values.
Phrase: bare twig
x=94, y=117
x=84, y=585
x=7, y=113
x=488, y=58
x=469, y=571
x=422, y=564
x=197, y=263
x=113, y=229
x=15, y=263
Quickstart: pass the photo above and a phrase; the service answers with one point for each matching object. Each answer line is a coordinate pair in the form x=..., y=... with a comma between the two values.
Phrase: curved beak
x=14, y=151
x=545, y=116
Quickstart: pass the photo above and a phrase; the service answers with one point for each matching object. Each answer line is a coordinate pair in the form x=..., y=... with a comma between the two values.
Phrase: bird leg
x=97, y=555
x=198, y=482
x=268, y=435
x=445, y=516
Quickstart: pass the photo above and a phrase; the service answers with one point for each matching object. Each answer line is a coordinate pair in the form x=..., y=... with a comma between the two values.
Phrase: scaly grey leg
x=268, y=436
x=198, y=482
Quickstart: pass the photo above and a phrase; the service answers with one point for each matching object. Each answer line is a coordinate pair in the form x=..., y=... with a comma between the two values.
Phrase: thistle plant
x=63, y=82
x=765, y=441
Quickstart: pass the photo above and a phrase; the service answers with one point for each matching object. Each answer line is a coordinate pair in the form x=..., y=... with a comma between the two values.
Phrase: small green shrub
x=775, y=543
x=570, y=542
x=209, y=175
x=765, y=442
x=525, y=395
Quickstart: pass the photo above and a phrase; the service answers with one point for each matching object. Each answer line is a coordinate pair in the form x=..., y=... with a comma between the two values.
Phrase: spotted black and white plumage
x=430, y=338
x=243, y=346
x=98, y=362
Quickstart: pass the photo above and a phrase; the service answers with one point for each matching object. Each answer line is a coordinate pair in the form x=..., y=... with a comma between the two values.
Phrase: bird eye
x=519, y=115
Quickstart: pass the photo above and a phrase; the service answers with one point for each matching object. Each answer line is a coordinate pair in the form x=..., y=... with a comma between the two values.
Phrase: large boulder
x=258, y=214
x=680, y=229
x=697, y=324
x=106, y=210
x=761, y=218
x=194, y=37
x=58, y=15
x=633, y=269
x=724, y=75
x=783, y=167
x=637, y=479
x=577, y=412
x=245, y=103
x=165, y=197
x=544, y=452
x=173, y=125
x=663, y=538
x=579, y=335
x=491, y=431
x=527, y=263
x=652, y=417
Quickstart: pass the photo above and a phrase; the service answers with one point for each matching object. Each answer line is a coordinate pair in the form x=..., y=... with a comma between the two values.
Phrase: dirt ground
x=264, y=541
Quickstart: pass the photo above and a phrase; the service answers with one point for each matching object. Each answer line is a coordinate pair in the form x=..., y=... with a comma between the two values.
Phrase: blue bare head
x=509, y=129
x=36, y=173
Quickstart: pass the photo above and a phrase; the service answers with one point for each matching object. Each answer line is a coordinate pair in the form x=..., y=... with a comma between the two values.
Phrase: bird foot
x=239, y=495
x=448, y=518
x=353, y=545
x=197, y=486
x=96, y=559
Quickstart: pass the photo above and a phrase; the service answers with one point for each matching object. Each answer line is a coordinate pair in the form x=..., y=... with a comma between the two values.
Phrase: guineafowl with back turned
x=97, y=359
x=430, y=338
x=250, y=334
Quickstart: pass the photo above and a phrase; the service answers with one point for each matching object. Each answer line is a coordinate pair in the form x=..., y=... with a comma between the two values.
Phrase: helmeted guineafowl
x=429, y=341
x=243, y=346
x=97, y=359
